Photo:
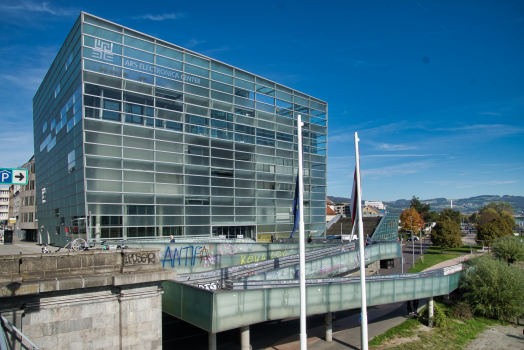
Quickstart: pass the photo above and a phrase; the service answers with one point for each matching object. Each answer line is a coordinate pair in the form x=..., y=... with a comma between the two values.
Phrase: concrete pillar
x=329, y=327
x=244, y=338
x=430, y=312
x=212, y=341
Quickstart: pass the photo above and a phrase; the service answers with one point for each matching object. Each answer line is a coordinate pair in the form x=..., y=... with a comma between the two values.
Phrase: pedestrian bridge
x=234, y=296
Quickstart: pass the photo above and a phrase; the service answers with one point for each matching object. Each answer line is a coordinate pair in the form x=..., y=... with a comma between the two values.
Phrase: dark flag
x=296, y=211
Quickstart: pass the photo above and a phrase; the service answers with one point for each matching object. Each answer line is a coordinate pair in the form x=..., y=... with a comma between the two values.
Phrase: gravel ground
x=498, y=337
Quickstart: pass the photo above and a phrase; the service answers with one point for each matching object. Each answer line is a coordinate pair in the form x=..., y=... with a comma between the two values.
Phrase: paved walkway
x=20, y=247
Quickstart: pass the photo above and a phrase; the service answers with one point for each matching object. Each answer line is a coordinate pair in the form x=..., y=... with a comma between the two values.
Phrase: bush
x=461, y=310
x=440, y=319
x=446, y=234
x=509, y=248
x=494, y=289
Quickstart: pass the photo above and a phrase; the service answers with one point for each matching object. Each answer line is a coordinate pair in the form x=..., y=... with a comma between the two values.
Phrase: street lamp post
x=412, y=241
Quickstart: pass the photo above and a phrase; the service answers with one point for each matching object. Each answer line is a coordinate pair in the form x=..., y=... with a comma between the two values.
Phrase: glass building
x=137, y=137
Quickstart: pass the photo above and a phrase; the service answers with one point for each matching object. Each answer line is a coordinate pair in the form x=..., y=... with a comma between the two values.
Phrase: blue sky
x=434, y=88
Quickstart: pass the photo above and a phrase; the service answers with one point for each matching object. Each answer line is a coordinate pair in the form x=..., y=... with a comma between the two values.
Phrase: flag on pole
x=354, y=198
x=296, y=210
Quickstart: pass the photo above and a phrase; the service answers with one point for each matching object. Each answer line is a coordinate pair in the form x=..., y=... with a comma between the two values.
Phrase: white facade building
x=378, y=205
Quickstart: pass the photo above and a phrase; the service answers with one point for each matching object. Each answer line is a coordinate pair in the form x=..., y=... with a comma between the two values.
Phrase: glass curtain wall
x=176, y=143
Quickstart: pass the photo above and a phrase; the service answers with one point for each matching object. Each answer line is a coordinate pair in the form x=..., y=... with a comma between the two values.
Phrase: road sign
x=13, y=176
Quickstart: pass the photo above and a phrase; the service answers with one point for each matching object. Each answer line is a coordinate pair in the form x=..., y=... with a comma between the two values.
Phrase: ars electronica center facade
x=137, y=137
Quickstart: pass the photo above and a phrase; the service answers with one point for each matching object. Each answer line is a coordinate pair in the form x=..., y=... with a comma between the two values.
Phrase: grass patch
x=405, y=329
x=454, y=336
x=464, y=249
x=430, y=259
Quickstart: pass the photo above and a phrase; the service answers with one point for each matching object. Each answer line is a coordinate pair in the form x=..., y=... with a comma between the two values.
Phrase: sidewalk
x=20, y=247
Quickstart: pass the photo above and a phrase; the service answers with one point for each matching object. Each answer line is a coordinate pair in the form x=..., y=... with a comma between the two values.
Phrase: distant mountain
x=464, y=205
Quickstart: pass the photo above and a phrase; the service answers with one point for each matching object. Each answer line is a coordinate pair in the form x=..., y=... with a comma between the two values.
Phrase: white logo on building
x=103, y=50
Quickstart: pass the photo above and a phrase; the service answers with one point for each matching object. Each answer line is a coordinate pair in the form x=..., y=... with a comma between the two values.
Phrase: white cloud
x=44, y=7
x=392, y=147
x=194, y=42
x=162, y=17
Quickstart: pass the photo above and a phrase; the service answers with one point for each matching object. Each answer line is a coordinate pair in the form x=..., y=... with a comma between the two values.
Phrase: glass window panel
x=244, y=102
x=103, y=150
x=222, y=78
x=102, y=138
x=196, y=110
x=196, y=170
x=244, y=75
x=138, y=187
x=244, y=120
x=197, y=191
x=196, y=71
x=139, y=198
x=219, y=67
x=245, y=112
x=264, y=107
x=139, y=44
x=138, y=143
x=168, y=104
x=197, y=180
x=202, y=141
x=132, y=153
x=162, y=199
x=102, y=80
x=164, y=51
x=197, y=60
x=140, y=55
x=169, y=157
x=284, y=96
x=106, y=174
x=102, y=162
x=102, y=67
x=169, y=178
x=102, y=33
x=197, y=130
x=170, y=84
x=221, y=87
x=245, y=93
x=244, y=84
x=197, y=91
x=169, y=189
x=221, y=96
x=138, y=76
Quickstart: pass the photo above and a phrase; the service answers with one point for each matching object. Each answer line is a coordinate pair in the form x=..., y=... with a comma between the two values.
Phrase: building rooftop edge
x=199, y=54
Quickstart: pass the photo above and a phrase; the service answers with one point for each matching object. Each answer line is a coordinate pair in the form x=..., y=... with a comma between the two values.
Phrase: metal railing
x=3, y=344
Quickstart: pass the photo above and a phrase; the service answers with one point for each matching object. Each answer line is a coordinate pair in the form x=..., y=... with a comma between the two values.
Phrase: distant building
x=4, y=206
x=342, y=208
x=371, y=211
x=378, y=205
x=27, y=225
x=14, y=206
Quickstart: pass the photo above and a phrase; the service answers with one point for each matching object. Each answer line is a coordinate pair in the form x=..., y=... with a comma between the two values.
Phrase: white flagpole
x=364, y=324
x=302, y=239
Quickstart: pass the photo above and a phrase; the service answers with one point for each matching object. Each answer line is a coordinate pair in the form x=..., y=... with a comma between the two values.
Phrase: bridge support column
x=212, y=341
x=430, y=312
x=244, y=338
x=329, y=327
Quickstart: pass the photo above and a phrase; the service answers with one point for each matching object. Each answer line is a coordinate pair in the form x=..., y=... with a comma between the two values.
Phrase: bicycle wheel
x=78, y=245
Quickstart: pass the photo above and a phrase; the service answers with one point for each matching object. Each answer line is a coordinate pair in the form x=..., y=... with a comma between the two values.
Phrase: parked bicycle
x=78, y=245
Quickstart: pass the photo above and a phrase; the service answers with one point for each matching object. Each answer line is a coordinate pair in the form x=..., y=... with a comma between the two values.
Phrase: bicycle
x=78, y=245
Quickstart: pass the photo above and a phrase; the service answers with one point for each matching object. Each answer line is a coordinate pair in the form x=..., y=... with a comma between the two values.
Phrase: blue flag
x=296, y=211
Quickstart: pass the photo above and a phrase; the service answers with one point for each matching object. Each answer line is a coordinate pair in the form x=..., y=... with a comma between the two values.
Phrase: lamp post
x=412, y=241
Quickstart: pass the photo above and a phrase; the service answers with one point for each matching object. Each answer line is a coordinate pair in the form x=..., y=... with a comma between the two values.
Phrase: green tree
x=454, y=215
x=474, y=218
x=487, y=215
x=500, y=207
x=421, y=208
x=509, y=248
x=431, y=216
x=494, y=289
x=494, y=229
x=446, y=234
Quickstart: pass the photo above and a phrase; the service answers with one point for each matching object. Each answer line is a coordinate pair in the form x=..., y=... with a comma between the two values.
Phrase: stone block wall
x=127, y=317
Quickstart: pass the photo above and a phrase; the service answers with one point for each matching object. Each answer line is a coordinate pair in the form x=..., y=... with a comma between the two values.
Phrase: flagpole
x=302, y=241
x=364, y=324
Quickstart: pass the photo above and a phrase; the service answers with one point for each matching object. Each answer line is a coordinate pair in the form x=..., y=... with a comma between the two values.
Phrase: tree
x=494, y=229
x=500, y=207
x=494, y=289
x=474, y=218
x=452, y=214
x=422, y=209
x=509, y=248
x=487, y=215
x=431, y=216
x=405, y=221
x=446, y=234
